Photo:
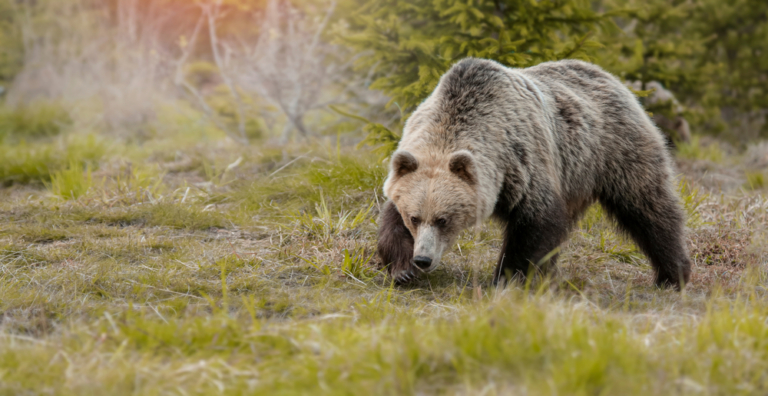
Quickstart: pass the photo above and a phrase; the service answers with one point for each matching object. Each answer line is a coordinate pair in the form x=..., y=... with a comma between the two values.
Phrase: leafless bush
x=285, y=62
x=76, y=52
x=112, y=64
x=289, y=64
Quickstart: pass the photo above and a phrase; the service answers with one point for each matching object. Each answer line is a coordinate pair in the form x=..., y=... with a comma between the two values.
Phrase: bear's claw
x=404, y=277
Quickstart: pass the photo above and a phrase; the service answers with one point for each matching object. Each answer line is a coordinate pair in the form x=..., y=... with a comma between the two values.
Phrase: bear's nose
x=422, y=262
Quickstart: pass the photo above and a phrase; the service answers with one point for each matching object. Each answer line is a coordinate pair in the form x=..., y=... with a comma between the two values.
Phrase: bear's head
x=437, y=198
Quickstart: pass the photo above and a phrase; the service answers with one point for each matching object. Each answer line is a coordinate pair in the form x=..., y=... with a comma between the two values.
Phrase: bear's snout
x=428, y=250
x=422, y=262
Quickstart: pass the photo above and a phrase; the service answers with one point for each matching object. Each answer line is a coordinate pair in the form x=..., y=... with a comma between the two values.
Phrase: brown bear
x=534, y=148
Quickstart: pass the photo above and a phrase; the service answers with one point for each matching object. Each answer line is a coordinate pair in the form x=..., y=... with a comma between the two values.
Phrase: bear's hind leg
x=655, y=221
x=395, y=245
x=531, y=240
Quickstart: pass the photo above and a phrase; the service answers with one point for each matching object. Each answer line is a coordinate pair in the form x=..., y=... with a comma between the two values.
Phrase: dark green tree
x=410, y=44
x=737, y=54
x=407, y=45
x=655, y=43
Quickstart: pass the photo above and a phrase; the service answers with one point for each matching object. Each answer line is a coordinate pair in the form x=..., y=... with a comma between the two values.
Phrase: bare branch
x=323, y=24
x=180, y=79
x=213, y=14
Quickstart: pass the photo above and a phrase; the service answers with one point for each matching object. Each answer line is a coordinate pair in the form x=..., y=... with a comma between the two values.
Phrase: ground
x=204, y=266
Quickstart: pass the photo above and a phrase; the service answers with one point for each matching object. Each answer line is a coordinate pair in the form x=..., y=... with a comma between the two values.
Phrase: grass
x=33, y=121
x=36, y=162
x=756, y=180
x=71, y=183
x=303, y=184
x=220, y=269
x=695, y=150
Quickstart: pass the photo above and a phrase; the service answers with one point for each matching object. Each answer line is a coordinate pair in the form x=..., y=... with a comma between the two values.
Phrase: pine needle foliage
x=711, y=54
x=382, y=139
x=737, y=51
x=412, y=43
x=653, y=44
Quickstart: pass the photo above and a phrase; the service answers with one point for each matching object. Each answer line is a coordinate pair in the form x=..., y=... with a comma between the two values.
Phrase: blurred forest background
x=275, y=70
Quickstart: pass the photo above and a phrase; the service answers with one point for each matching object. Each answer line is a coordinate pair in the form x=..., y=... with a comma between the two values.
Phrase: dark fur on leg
x=530, y=239
x=656, y=225
x=395, y=245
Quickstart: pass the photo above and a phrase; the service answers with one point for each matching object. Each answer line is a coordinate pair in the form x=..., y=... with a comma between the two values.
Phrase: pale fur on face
x=436, y=197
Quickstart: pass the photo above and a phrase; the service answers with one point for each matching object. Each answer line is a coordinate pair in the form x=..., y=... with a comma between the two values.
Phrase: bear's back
x=584, y=90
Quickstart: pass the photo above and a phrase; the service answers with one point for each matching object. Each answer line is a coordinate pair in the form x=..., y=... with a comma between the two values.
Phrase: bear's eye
x=441, y=222
x=415, y=220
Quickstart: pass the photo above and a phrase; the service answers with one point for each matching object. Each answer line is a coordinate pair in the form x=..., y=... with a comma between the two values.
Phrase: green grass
x=162, y=214
x=696, y=151
x=346, y=179
x=185, y=274
x=33, y=121
x=504, y=343
x=35, y=162
x=756, y=180
x=71, y=183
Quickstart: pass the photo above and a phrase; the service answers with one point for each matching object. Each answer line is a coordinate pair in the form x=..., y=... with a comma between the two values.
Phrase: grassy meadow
x=186, y=263
x=186, y=209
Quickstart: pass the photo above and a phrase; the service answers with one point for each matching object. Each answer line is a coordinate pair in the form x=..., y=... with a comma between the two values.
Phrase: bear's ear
x=403, y=163
x=462, y=164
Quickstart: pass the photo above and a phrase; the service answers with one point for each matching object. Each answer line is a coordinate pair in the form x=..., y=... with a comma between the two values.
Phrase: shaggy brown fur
x=533, y=148
x=395, y=242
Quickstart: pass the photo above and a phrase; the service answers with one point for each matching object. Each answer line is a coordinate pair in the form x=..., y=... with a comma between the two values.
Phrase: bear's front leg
x=395, y=245
x=531, y=240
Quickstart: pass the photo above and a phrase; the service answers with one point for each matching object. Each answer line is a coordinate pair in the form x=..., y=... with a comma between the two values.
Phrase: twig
x=165, y=290
x=212, y=16
x=288, y=164
x=578, y=45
